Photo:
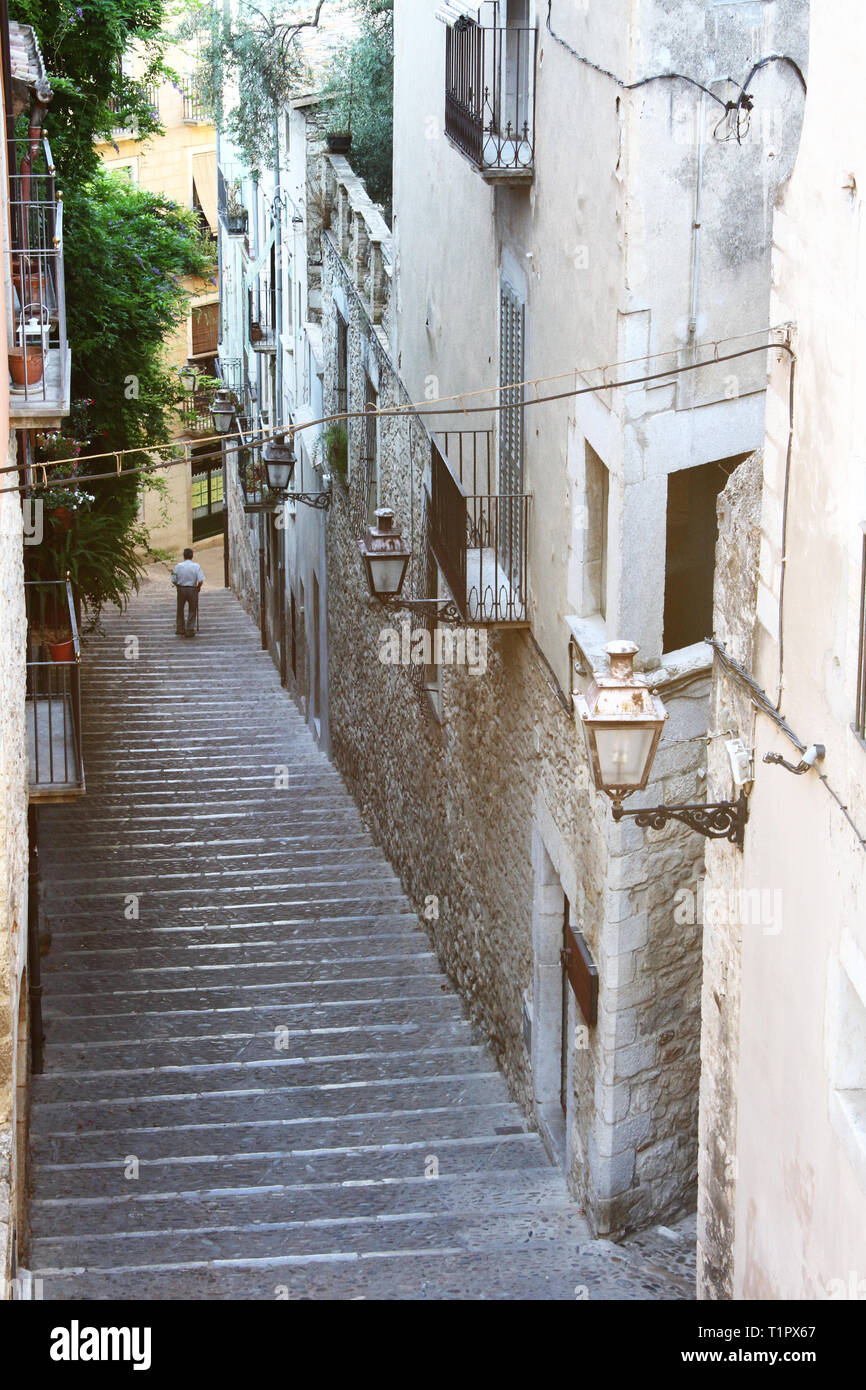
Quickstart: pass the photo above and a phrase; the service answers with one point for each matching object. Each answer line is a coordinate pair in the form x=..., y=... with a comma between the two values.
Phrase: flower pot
x=63, y=517
x=236, y=223
x=256, y=333
x=339, y=142
x=25, y=366
x=62, y=652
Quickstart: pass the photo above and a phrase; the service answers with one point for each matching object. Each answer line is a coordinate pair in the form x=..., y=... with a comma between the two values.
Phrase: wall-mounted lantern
x=188, y=378
x=222, y=410
x=622, y=722
x=279, y=460
x=385, y=556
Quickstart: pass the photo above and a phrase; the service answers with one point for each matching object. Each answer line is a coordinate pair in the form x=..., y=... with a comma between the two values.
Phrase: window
x=342, y=387
x=595, y=521
x=860, y=722
x=690, y=551
x=207, y=498
x=370, y=457
x=205, y=330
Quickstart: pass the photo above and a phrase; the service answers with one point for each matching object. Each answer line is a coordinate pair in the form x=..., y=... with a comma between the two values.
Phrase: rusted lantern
x=385, y=556
x=622, y=723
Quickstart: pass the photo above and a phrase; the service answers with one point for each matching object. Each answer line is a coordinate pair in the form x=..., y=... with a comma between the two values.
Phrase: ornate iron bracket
x=321, y=501
x=718, y=820
x=446, y=609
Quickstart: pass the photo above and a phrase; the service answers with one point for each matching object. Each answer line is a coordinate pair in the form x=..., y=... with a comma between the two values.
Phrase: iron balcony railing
x=194, y=112
x=478, y=537
x=53, y=700
x=490, y=95
x=39, y=358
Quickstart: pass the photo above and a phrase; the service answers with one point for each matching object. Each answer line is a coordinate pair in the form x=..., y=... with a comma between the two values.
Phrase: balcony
x=490, y=96
x=53, y=702
x=39, y=357
x=194, y=112
x=478, y=536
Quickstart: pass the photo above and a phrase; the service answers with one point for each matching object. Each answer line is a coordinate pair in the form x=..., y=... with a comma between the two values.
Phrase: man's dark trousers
x=186, y=594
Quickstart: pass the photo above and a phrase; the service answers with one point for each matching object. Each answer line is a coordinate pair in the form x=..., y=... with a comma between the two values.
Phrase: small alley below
x=258, y=1083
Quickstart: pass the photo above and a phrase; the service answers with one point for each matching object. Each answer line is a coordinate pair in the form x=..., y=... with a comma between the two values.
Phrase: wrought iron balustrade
x=490, y=95
x=478, y=537
x=53, y=698
x=39, y=358
x=194, y=112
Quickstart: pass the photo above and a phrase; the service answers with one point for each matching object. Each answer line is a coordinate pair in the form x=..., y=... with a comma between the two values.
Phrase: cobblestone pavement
x=254, y=1066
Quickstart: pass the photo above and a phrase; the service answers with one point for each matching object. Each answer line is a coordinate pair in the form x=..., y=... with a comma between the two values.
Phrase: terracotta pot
x=338, y=142
x=63, y=517
x=25, y=366
x=62, y=651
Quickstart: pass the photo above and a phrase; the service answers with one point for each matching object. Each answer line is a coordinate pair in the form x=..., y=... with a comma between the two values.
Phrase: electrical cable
x=678, y=76
x=418, y=409
x=764, y=705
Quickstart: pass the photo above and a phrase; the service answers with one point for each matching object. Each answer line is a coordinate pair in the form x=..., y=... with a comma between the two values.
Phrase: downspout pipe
x=278, y=326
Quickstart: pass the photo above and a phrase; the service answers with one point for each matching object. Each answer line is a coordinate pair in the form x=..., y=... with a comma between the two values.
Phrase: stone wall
x=739, y=513
x=13, y=862
x=243, y=544
x=468, y=806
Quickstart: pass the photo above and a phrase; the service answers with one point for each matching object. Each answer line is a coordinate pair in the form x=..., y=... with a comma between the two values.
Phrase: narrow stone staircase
x=258, y=1084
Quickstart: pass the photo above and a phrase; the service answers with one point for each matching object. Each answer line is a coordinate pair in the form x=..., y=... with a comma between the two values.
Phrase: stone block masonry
x=456, y=800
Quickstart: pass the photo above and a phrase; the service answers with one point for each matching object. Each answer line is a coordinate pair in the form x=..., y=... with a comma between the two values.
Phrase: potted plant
x=256, y=331
x=236, y=214
x=26, y=364
x=58, y=640
x=334, y=447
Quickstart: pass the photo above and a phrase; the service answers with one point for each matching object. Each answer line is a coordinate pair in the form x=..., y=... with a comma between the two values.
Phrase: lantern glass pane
x=278, y=476
x=622, y=755
x=387, y=573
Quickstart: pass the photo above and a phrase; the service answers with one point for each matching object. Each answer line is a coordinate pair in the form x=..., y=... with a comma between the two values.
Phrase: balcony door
x=510, y=538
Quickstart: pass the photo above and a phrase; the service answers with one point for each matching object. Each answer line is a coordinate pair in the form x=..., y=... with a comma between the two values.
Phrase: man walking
x=187, y=577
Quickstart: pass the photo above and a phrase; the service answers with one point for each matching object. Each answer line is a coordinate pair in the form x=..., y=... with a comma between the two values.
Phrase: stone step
x=173, y=954
x=219, y=1047
x=529, y=1273
x=172, y=978
x=286, y=1247
x=299, y=1220
x=193, y=1079
x=370, y=1130
x=287, y=1102
x=423, y=999
x=110, y=935
x=522, y=1154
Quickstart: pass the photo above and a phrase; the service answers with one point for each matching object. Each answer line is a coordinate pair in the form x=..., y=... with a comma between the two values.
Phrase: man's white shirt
x=187, y=574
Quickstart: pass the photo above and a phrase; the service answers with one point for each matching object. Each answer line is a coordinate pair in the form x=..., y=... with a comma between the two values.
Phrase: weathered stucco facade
x=783, y=1169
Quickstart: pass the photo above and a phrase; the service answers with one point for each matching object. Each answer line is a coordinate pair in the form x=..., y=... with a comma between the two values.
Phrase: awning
x=204, y=178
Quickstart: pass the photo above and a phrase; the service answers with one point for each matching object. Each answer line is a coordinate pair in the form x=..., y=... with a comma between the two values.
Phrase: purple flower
x=79, y=11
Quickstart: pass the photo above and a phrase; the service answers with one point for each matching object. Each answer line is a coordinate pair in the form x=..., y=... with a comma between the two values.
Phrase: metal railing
x=36, y=315
x=490, y=94
x=53, y=701
x=194, y=112
x=479, y=537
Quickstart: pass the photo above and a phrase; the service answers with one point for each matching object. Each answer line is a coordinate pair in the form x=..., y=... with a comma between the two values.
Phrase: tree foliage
x=361, y=87
x=249, y=65
x=126, y=252
x=83, y=46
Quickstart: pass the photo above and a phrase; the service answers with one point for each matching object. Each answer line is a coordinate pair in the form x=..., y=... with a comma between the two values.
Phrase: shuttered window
x=205, y=330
